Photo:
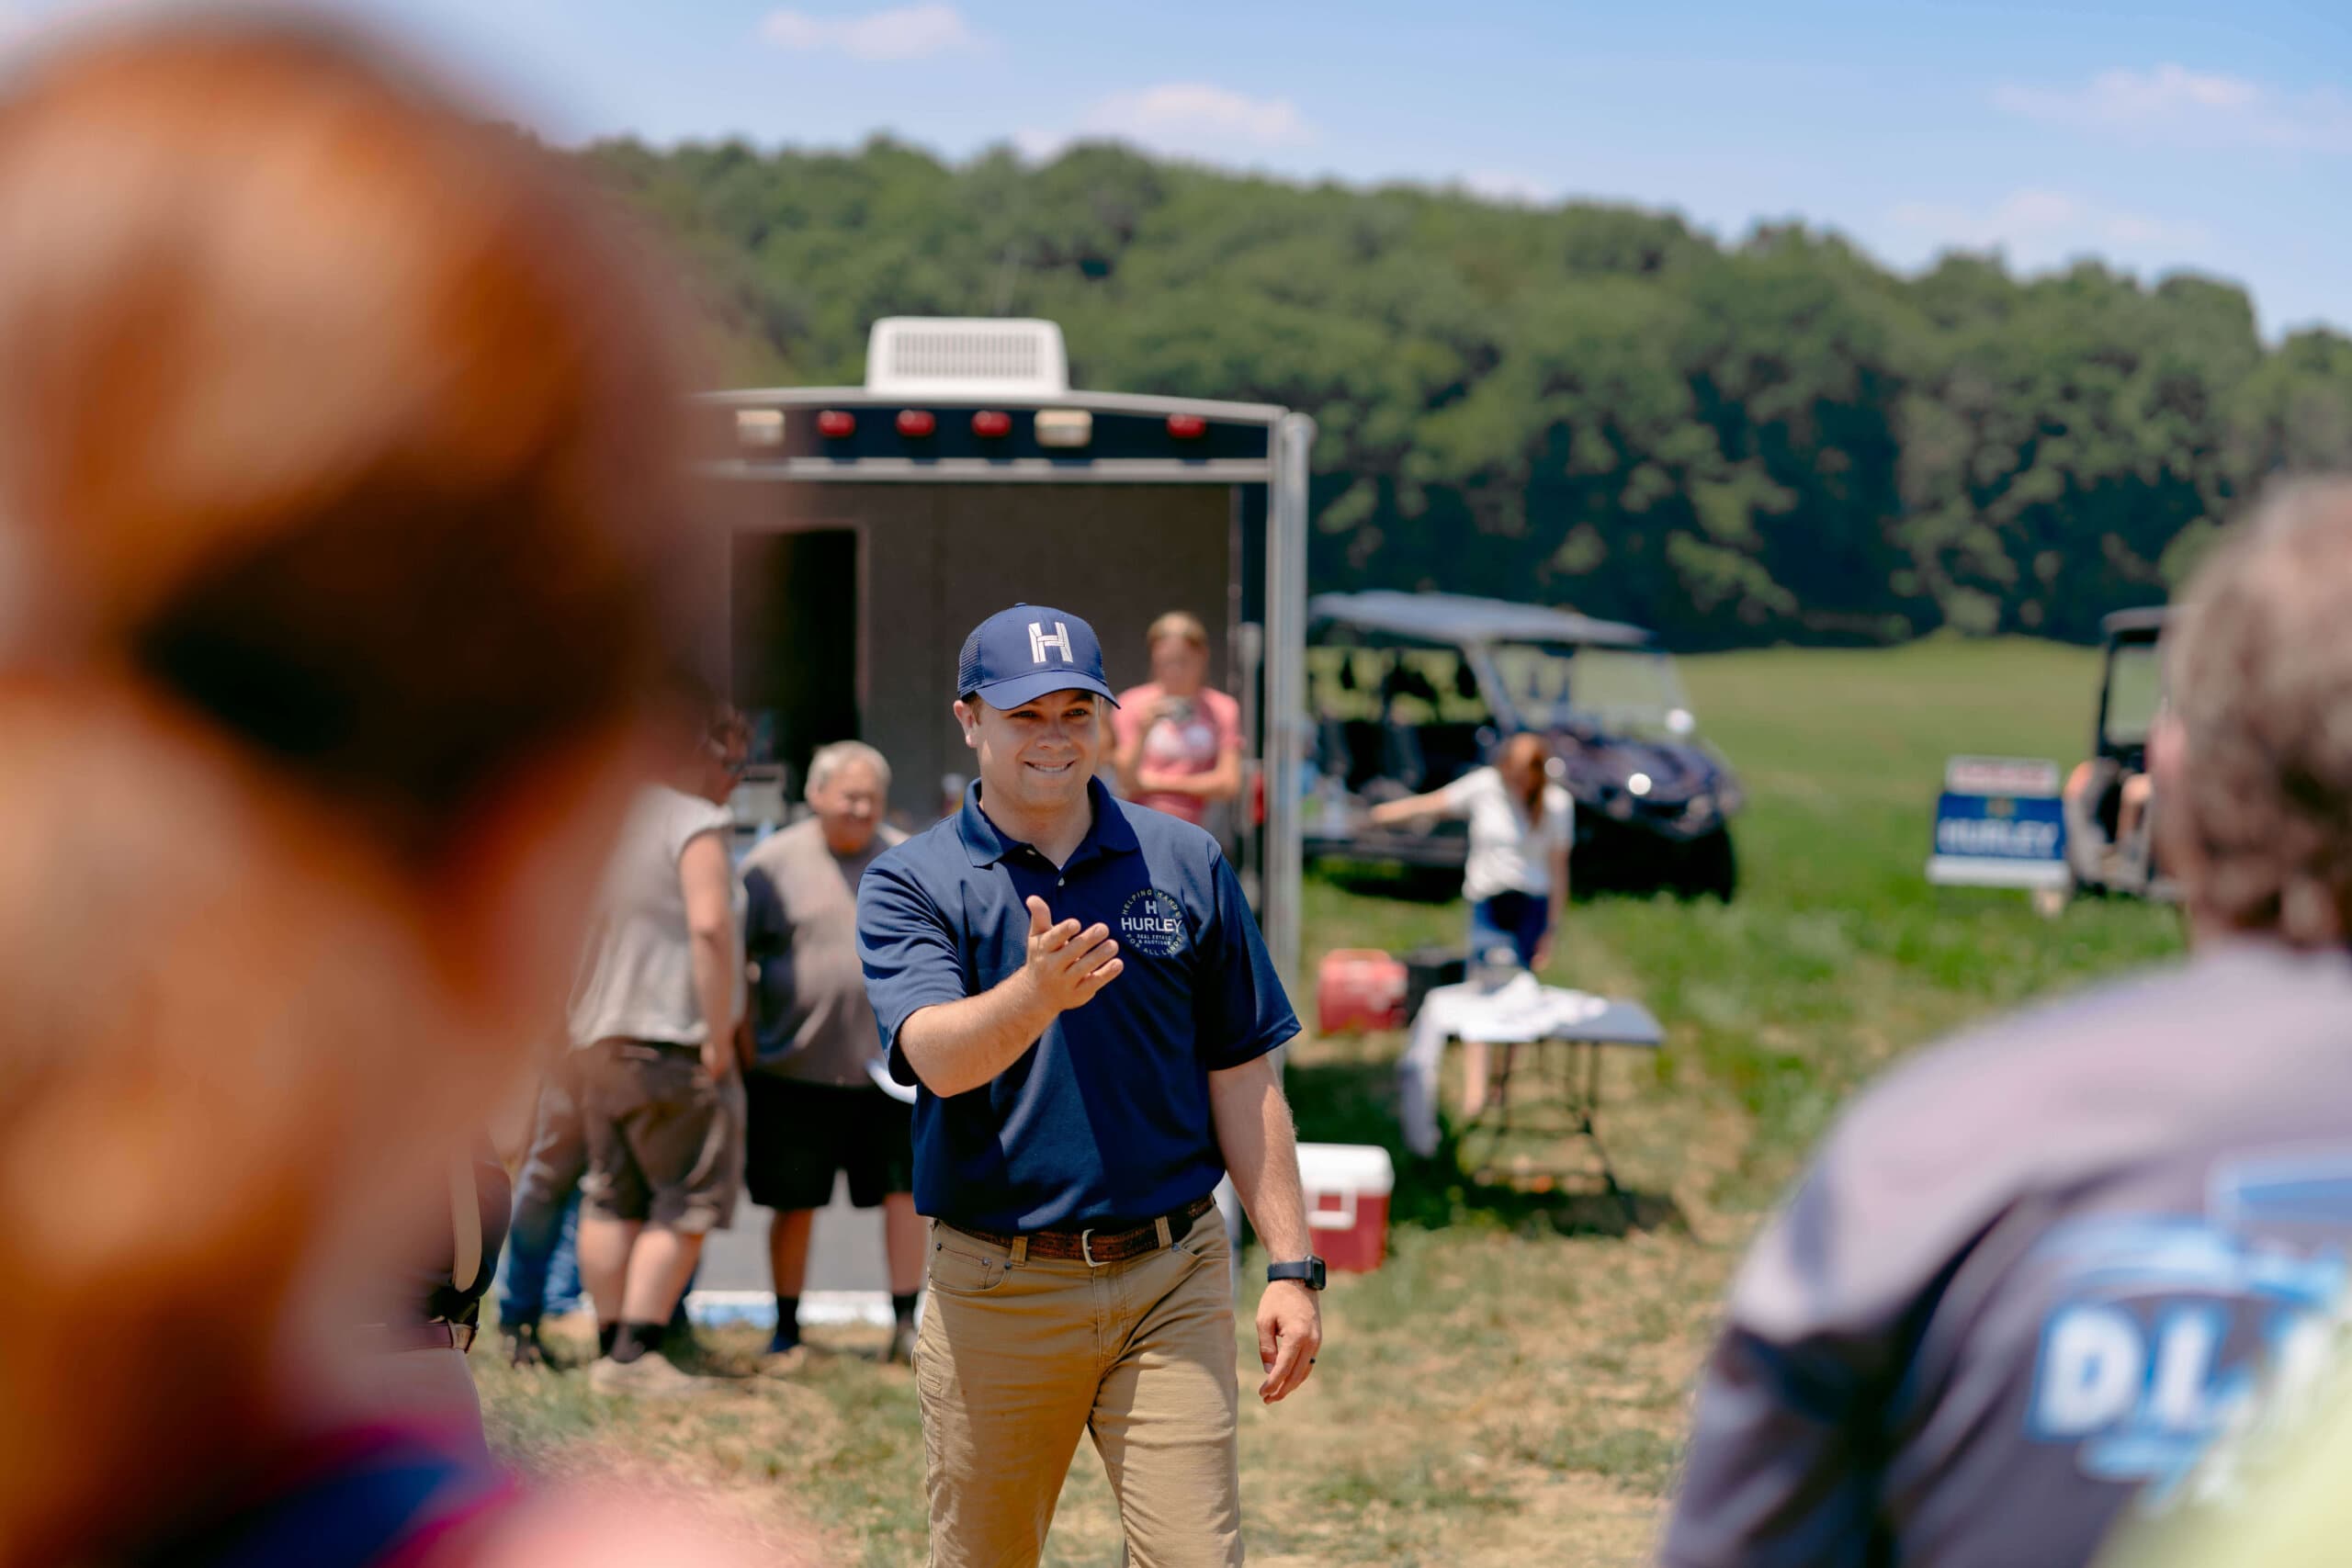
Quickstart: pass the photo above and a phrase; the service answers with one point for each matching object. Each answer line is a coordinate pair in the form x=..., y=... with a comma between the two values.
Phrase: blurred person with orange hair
x=338, y=456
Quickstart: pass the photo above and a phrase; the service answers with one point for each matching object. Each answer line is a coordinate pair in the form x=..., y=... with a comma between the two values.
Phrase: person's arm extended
x=707, y=880
x=956, y=1046
x=1413, y=807
x=1260, y=1150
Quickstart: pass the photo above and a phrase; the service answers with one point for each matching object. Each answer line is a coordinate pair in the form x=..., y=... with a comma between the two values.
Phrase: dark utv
x=2110, y=842
x=1410, y=690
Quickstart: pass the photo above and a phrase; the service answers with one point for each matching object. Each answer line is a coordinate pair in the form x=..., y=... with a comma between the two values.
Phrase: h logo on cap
x=1039, y=641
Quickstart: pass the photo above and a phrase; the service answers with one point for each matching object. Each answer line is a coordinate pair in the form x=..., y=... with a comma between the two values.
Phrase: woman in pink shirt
x=1179, y=742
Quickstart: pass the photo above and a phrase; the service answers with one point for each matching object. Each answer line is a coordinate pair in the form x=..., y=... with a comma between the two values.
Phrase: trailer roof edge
x=1101, y=402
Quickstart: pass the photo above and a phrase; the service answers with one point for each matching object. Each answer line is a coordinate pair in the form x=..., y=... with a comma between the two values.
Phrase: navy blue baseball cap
x=1019, y=655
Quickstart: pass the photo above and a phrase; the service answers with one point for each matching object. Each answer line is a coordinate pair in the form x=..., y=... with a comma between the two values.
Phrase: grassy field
x=1513, y=1385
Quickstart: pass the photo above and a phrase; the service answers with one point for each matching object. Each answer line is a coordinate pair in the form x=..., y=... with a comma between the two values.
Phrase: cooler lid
x=1347, y=1168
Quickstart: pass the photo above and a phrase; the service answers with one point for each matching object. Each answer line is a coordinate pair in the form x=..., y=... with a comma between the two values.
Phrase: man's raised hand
x=1068, y=965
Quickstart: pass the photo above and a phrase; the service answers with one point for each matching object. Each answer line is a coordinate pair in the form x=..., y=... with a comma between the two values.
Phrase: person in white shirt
x=1522, y=828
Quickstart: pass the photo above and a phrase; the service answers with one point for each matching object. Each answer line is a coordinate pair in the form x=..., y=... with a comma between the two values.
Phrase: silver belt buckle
x=1086, y=1248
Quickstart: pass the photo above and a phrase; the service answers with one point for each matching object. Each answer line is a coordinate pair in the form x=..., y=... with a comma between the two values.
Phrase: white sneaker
x=650, y=1376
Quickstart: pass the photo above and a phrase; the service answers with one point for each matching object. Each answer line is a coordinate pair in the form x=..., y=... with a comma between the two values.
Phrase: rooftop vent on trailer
x=947, y=357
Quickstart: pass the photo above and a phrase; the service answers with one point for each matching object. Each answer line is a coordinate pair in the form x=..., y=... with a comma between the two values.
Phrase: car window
x=2135, y=682
x=1632, y=691
x=1401, y=684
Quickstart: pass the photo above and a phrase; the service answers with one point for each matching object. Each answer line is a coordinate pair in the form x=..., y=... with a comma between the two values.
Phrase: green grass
x=1511, y=1386
x=1837, y=953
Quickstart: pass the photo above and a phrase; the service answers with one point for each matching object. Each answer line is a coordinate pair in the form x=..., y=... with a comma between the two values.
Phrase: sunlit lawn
x=1510, y=1387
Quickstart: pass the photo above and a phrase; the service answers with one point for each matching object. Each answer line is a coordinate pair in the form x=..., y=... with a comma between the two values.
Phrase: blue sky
x=2215, y=136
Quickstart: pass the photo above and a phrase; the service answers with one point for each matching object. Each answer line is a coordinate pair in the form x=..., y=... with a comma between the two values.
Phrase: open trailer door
x=870, y=527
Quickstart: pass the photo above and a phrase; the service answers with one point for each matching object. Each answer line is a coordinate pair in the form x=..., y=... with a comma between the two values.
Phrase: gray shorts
x=661, y=1143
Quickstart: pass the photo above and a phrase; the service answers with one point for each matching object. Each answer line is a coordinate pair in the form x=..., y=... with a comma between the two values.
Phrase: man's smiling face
x=1036, y=757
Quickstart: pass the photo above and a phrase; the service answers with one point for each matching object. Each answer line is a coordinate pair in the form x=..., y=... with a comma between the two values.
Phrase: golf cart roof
x=1458, y=617
x=2134, y=626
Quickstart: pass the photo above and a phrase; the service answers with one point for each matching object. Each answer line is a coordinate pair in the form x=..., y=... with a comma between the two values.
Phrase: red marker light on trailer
x=990, y=423
x=833, y=424
x=916, y=422
x=1187, y=426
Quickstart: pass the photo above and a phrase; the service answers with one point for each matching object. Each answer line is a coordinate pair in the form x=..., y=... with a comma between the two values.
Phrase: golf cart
x=1410, y=691
x=2109, y=804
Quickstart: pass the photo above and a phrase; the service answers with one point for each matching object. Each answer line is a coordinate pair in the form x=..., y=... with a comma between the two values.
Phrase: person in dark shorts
x=817, y=1107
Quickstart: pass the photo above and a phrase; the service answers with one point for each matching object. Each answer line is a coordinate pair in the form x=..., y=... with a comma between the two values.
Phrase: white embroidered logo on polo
x=1153, y=923
x=1059, y=642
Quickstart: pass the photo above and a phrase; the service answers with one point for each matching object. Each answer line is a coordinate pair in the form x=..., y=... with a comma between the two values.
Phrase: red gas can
x=1359, y=987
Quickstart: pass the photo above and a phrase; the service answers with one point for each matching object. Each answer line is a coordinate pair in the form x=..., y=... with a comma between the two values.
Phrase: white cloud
x=2039, y=227
x=906, y=32
x=1040, y=146
x=1496, y=184
x=1187, y=119
x=2196, y=108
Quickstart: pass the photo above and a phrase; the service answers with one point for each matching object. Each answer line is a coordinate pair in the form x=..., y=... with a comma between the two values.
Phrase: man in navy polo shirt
x=1079, y=988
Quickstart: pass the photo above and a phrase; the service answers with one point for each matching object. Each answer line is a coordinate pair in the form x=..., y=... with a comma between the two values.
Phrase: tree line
x=1775, y=439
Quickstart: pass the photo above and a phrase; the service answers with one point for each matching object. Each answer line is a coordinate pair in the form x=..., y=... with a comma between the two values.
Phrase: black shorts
x=802, y=1132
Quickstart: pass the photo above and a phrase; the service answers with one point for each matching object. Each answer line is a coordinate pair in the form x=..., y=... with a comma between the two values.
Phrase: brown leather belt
x=1097, y=1248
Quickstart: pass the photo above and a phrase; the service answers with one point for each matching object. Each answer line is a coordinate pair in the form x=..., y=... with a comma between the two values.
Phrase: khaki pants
x=1018, y=1356
x=665, y=1145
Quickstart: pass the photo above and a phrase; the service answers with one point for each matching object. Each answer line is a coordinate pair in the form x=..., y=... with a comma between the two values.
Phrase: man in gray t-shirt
x=816, y=1102
x=653, y=1014
x=2032, y=1274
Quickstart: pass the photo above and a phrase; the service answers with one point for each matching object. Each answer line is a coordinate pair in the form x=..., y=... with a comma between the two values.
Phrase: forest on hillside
x=1775, y=439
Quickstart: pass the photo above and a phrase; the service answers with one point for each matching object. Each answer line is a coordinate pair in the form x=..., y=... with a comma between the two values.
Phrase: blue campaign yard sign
x=1999, y=823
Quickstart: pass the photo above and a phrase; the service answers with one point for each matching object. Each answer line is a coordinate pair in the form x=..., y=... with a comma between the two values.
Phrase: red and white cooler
x=1359, y=987
x=1348, y=1187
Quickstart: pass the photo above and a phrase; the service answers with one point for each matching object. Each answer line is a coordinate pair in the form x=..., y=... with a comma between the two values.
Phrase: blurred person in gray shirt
x=816, y=1105
x=653, y=1014
x=2035, y=1272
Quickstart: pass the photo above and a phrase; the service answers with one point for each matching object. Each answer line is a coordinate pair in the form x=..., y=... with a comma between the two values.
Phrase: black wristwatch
x=1308, y=1272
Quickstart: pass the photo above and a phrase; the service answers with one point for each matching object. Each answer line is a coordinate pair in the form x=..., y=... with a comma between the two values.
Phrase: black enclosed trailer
x=870, y=527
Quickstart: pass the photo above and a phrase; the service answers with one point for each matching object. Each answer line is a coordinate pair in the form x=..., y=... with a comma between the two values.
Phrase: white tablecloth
x=1522, y=1009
